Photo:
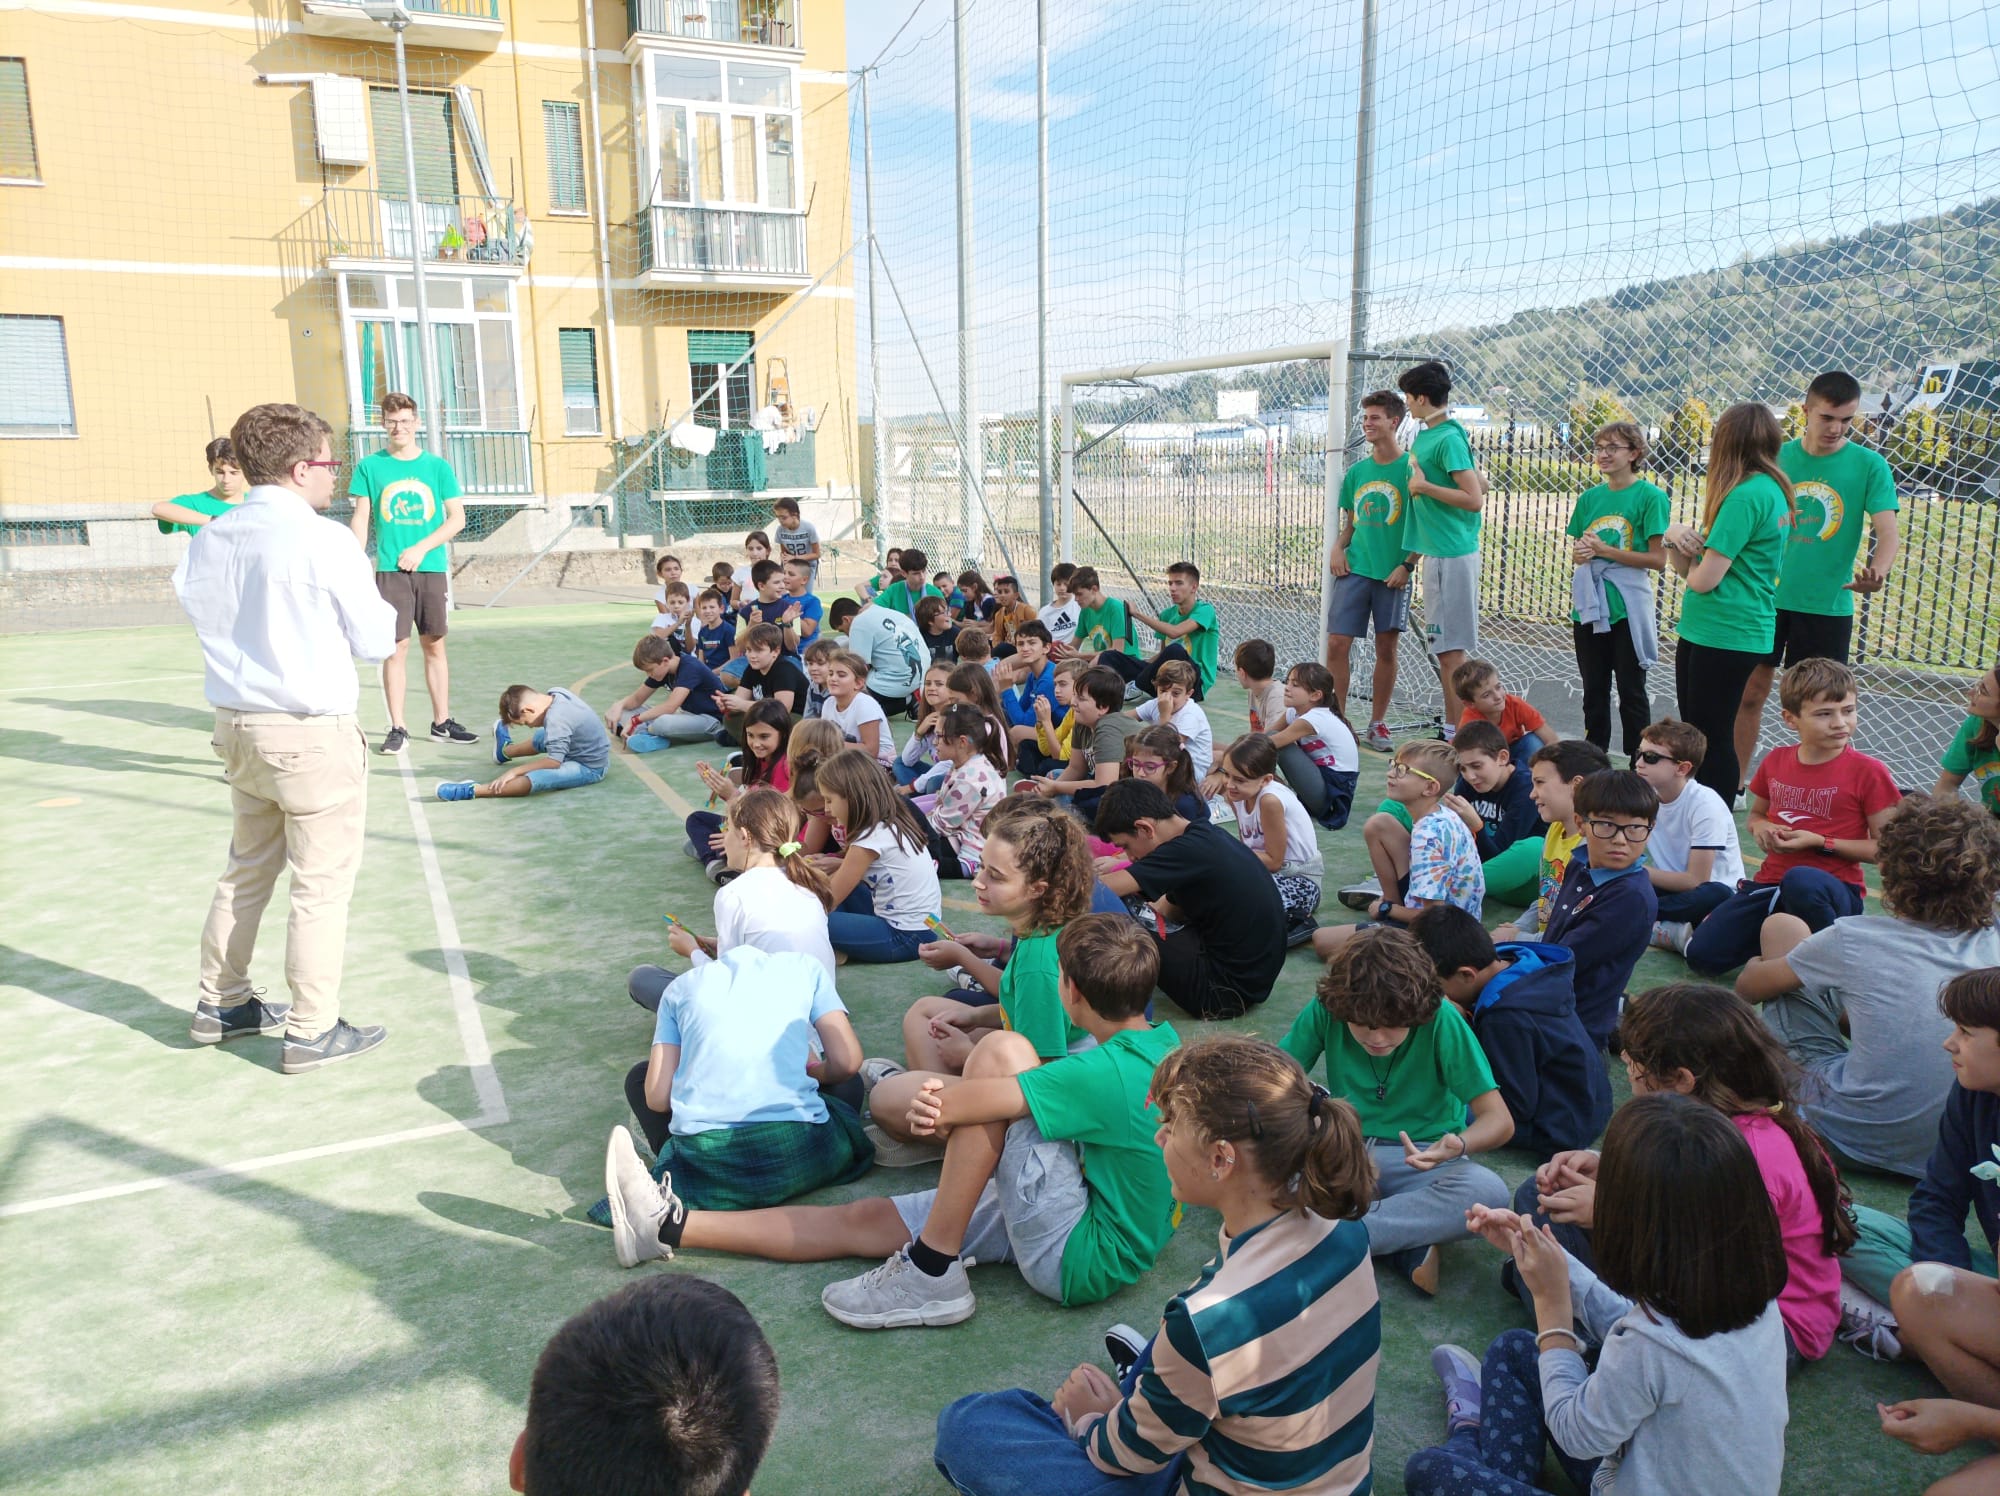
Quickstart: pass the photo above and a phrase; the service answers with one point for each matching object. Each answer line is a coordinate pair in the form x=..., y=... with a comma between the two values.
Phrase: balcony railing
x=371, y=225
x=763, y=23
x=487, y=462
x=472, y=25
x=721, y=242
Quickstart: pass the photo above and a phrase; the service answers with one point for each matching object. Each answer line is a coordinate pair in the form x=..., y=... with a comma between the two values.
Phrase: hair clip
x=786, y=849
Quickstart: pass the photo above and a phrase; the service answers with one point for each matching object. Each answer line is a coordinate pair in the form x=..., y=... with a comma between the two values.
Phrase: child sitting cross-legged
x=1495, y=797
x=1159, y=755
x=767, y=733
x=811, y=747
x=1317, y=752
x=1178, y=683
x=1688, y=1393
x=1013, y=1188
x=1275, y=826
x=1693, y=857
x=858, y=715
x=565, y=747
x=1556, y=772
x=916, y=768
x=1477, y=684
x=1604, y=910
x=885, y=885
x=1267, y=1362
x=1521, y=1002
x=1410, y=1064
x=972, y=685
x=974, y=782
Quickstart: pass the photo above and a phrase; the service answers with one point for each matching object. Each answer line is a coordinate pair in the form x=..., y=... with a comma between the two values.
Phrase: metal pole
x=1336, y=463
x=426, y=348
x=879, y=483
x=1069, y=472
x=1046, y=509
x=971, y=457
x=1364, y=189
x=603, y=229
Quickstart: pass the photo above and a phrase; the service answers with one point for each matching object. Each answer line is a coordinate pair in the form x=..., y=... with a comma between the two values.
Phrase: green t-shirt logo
x=408, y=501
x=1614, y=530
x=1378, y=505
x=1820, y=511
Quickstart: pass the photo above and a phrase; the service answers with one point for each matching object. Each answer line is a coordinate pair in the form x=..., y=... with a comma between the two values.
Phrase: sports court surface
x=220, y=1279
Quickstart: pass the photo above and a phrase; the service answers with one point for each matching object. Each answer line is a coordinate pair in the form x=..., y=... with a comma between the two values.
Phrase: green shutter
x=17, y=127
x=562, y=130
x=579, y=380
x=717, y=347
x=430, y=133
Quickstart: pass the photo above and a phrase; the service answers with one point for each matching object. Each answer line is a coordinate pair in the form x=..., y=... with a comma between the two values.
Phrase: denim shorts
x=564, y=776
x=1026, y=1212
x=1359, y=601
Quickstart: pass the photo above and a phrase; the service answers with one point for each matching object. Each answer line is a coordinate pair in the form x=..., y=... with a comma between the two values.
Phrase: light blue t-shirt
x=744, y=1024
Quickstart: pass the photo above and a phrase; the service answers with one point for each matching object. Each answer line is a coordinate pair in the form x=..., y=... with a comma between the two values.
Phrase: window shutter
x=717, y=347
x=430, y=133
x=34, y=378
x=562, y=127
x=17, y=127
x=579, y=381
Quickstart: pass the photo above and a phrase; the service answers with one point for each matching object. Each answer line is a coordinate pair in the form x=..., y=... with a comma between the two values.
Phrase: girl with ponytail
x=1283, y=1318
x=813, y=742
x=975, y=782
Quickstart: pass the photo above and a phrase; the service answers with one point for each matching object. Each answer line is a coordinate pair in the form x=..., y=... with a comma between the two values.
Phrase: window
x=723, y=134
x=34, y=378
x=437, y=166
x=472, y=332
x=17, y=126
x=579, y=381
x=562, y=128
x=709, y=354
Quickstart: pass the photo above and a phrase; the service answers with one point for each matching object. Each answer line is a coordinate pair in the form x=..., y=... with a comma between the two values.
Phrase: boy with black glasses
x=1605, y=909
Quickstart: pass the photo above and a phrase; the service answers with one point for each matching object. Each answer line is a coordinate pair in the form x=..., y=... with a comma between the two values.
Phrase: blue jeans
x=1690, y=906
x=564, y=776
x=906, y=774
x=855, y=927
x=1014, y=1444
x=1730, y=935
x=1501, y=1455
x=672, y=727
x=702, y=825
x=1525, y=747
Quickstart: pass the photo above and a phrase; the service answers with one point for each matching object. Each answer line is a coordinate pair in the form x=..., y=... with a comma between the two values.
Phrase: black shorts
x=420, y=598
x=1810, y=636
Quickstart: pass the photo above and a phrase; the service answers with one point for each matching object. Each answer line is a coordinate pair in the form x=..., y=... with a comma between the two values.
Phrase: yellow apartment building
x=633, y=218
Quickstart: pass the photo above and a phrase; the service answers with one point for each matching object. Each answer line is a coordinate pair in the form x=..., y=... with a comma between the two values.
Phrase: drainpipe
x=603, y=230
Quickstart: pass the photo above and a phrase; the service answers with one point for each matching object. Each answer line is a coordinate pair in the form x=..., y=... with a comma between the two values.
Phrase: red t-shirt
x=1517, y=719
x=1834, y=799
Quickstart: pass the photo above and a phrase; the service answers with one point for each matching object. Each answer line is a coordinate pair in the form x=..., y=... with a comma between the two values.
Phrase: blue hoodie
x=1968, y=1134
x=1506, y=813
x=1549, y=1072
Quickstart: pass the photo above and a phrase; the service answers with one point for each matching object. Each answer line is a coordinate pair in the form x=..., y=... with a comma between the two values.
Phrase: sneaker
x=1447, y=733
x=1868, y=1324
x=964, y=980
x=875, y=1071
x=1132, y=691
x=1299, y=932
x=455, y=789
x=1358, y=896
x=1124, y=1345
x=894, y=1153
x=501, y=738
x=341, y=1042
x=1459, y=1372
x=1378, y=739
x=900, y=1295
x=1418, y=1264
x=718, y=871
x=397, y=740
x=692, y=850
x=638, y=1202
x=213, y=1025
x=1672, y=935
x=449, y=731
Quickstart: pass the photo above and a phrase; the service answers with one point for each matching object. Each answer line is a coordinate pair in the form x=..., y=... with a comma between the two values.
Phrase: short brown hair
x=1972, y=998
x=1380, y=979
x=1471, y=675
x=271, y=440
x=820, y=649
x=655, y=649
x=1814, y=680
x=1104, y=686
x=974, y=644
x=1084, y=579
x=1686, y=742
x=1257, y=659
x=766, y=636
x=1178, y=673
x=849, y=660
x=396, y=400
x=1387, y=401
x=1940, y=863
x=1480, y=736
x=1112, y=963
x=510, y=703
x=1628, y=433
x=710, y=595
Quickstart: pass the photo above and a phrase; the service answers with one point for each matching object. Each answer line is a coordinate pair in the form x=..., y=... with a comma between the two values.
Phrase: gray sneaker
x=1358, y=896
x=213, y=1025
x=341, y=1042
x=894, y=1153
x=875, y=1071
x=638, y=1203
x=900, y=1295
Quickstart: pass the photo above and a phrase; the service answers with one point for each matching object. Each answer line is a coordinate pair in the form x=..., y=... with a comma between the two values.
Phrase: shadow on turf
x=105, y=997
x=66, y=753
x=145, y=713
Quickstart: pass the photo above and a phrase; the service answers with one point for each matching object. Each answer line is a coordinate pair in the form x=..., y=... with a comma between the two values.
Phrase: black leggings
x=1141, y=672
x=1601, y=659
x=1708, y=686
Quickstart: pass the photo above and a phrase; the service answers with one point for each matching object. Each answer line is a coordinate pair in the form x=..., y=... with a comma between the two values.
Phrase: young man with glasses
x=1617, y=542
x=413, y=498
x=1605, y=909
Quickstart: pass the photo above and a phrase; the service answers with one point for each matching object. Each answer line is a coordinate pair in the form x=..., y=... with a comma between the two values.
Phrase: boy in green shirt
x=1052, y=1166
x=1408, y=1062
x=1839, y=489
x=1446, y=496
x=1370, y=563
x=412, y=499
x=1103, y=626
x=1187, y=629
x=906, y=591
x=190, y=511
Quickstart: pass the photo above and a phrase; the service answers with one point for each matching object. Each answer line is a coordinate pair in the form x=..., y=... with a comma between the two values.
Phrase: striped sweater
x=1263, y=1370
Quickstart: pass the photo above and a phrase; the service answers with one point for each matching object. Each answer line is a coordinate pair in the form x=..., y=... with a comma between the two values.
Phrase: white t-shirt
x=765, y=909
x=1697, y=818
x=741, y=577
x=903, y=884
x=1330, y=744
x=668, y=620
x=862, y=710
x=1302, y=854
x=1060, y=620
x=1191, y=722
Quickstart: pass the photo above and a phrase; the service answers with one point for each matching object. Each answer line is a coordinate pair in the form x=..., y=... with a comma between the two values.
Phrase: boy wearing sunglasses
x=1605, y=909
x=1693, y=859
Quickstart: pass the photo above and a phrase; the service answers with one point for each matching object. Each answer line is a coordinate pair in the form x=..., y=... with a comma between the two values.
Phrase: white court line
x=91, y=685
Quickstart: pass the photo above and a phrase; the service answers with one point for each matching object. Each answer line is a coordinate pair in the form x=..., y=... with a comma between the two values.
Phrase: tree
x=1918, y=448
x=1794, y=424
x=1689, y=430
x=1591, y=411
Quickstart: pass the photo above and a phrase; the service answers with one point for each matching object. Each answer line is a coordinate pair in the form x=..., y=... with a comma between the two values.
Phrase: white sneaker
x=1672, y=935
x=1868, y=1324
x=874, y=1071
x=1132, y=691
x=1358, y=896
x=900, y=1295
x=638, y=1204
x=894, y=1153
x=1378, y=739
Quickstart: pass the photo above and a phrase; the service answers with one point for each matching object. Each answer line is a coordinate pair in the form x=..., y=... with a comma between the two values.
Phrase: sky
x=1529, y=153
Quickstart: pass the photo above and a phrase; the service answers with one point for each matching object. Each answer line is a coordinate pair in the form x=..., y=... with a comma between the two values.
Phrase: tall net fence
x=1591, y=212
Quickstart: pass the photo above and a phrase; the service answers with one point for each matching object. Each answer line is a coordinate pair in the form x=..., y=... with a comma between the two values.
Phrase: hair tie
x=1316, y=1102
x=786, y=849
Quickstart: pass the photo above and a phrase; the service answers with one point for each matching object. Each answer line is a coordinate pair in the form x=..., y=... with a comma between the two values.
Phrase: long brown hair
x=962, y=720
x=1050, y=848
x=855, y=776
x=812, y=743
x=1165, y=741
x=1746, y=441
x=974, y=682
x=770, y=822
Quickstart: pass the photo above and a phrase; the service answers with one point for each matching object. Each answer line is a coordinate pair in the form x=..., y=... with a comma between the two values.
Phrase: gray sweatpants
x=1415, y=1208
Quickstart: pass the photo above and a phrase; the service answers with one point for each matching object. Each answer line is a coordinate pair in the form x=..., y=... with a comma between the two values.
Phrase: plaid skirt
x=762, y=1163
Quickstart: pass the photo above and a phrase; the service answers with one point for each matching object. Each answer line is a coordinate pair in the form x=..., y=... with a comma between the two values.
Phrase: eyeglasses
x=1636, y=831
x=1648, y=756
x=1398, y=769
x=1145, y=765
x=331, y=464
x=1614, y=447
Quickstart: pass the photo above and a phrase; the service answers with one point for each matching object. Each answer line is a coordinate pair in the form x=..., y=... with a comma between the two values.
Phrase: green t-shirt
x=1628, y=518
x=1204, y=643
x=1742, y=611
x=1434, y=528
x=1424, y=1086
x=1099, y=1100
x=406, y=500
x=1833, y=495
x=1377, y=494
x=200, y=503
x=1981, y=764
x=1029, y=1002
x=1106, y=627
x=897, y=596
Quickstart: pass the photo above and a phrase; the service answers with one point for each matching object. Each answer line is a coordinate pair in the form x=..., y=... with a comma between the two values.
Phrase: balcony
x=355, y=223
x=756, y=23
x=487, y=462
x=734, y=493
x=739, y=249
x=462, y=25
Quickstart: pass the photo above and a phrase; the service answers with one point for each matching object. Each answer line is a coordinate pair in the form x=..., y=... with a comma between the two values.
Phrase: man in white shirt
x=283, y=601
x=891, y=644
